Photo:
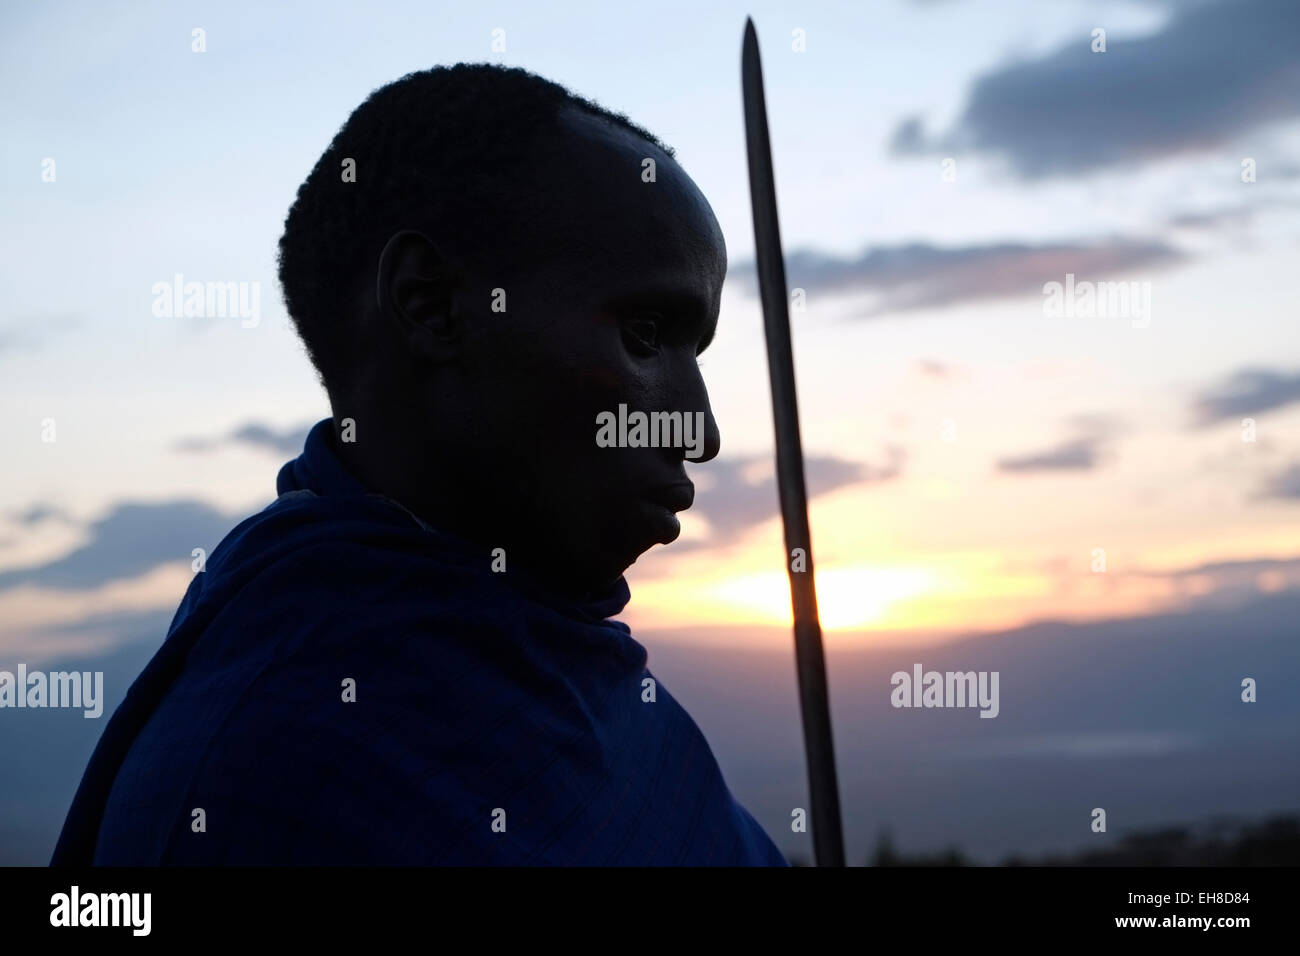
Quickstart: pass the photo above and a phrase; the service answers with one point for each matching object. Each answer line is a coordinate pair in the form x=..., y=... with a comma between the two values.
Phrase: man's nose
x=695, y=400
x=712, y=435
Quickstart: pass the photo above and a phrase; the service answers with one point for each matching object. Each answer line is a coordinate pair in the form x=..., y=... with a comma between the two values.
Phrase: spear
x=810, y=660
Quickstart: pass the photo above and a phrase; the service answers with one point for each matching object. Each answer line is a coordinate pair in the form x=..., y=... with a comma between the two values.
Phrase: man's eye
x=644, y=329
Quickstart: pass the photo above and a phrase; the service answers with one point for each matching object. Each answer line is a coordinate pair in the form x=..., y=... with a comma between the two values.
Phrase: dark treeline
x=1271, y=842
x=1222, y=842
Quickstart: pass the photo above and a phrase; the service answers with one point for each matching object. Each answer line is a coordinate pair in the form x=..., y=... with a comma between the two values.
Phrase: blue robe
x=344, y=684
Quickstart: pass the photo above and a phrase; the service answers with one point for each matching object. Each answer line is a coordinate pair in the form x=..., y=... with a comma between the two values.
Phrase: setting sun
x=847, y=598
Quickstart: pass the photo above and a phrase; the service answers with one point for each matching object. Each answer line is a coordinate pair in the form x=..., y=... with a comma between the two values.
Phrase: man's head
x=502, y=271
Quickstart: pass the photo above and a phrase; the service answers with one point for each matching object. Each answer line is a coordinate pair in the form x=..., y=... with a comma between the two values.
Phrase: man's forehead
x=588, y=130
x=619, y=217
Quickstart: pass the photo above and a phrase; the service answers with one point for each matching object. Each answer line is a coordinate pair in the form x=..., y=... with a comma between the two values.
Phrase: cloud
x=1215, y=71
x=1124, y=744
x=932, y=369
x=32, y=331
x=288, y=441
x=1212, y=218
x=1249, y=568
x=919, y=275
x=94, y=634
x=909, y=138
x=1285, y=484
x=11, y=340
x=132, y=539
x=1248, y=391
x=37, y=513
x=1081, y=454
x=1223, y=582
x=734, y=501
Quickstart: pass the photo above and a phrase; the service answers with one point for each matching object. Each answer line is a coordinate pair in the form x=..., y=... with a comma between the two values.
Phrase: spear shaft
x=810, y=660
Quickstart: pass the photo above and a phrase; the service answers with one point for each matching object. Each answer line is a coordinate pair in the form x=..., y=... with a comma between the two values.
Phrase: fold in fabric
x=344, y=684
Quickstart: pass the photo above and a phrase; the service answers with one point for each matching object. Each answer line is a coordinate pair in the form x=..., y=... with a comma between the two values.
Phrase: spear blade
x=810, y=660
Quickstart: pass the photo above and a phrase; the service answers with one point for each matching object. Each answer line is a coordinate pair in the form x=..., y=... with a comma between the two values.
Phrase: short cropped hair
x=453, y=150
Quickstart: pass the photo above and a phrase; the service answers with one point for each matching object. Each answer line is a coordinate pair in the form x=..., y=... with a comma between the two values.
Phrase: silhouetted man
x=408, y=657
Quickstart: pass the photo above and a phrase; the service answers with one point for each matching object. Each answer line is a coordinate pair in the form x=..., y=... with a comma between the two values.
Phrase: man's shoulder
x=295, y=573
x=359, y=535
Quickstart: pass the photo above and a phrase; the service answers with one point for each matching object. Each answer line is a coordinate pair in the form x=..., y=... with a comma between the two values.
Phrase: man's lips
x=678, y=496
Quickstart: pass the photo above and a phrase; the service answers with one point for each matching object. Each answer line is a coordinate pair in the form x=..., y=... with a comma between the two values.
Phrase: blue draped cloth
x=345, y=684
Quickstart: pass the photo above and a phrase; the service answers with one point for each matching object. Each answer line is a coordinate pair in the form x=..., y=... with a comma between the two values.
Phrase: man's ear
x=414, y=287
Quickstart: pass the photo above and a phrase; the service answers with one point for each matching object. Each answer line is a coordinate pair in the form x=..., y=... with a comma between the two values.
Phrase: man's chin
x=661, y=524
x=654, y=525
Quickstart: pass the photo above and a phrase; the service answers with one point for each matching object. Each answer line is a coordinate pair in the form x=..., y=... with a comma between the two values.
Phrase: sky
x=976, y=460
x=1104, y=506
